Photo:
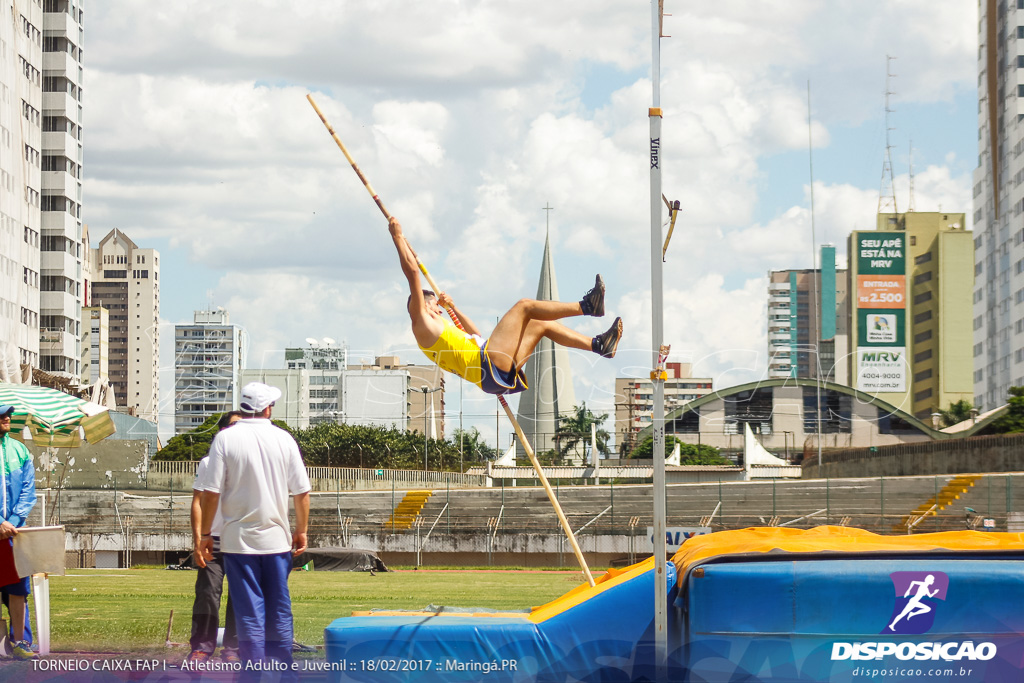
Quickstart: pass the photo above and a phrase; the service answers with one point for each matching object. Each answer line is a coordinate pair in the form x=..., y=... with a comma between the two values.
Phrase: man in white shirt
x=210, y=576
x=254, y=468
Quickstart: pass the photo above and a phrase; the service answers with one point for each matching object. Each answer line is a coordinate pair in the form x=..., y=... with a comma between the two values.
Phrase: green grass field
x=126, y=610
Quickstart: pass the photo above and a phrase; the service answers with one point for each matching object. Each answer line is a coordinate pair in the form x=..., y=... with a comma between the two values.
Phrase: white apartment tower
x=126, y=282
x=63, y=287
x=209, y=356
x=41, y=254
x=21, y=104
x=999, y=204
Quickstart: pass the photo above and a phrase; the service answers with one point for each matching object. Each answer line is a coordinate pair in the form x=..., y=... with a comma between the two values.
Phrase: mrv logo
x=881, y=356
x=917, y=597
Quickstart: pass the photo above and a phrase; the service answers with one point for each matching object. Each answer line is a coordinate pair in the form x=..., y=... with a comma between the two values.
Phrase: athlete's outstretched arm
x=445, y=301
x=408, y=262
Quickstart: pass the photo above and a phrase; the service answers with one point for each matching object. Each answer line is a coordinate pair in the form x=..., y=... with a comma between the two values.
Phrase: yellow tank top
x=457, y=352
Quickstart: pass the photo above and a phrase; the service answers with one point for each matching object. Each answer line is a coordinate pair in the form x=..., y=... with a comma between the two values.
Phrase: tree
x=574, y=429
x=957, y=412
x=689, y=454
x=195, y=444
x=1013, y=421
x=474, y=448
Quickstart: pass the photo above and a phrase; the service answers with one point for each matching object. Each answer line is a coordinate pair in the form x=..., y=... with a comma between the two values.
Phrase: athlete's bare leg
x=530, y=320
x=515, y=348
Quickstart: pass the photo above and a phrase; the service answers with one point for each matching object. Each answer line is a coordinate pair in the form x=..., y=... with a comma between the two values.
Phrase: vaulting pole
x=455, y=318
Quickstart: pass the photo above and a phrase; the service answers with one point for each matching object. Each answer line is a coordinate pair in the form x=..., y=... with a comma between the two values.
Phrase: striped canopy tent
x=54, y=419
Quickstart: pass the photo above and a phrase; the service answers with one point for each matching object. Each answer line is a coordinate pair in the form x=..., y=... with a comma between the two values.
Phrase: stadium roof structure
x=809, y=382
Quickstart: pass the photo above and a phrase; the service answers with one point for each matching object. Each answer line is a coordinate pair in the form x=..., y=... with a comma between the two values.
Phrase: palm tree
x=957, y=412
x=574, y=429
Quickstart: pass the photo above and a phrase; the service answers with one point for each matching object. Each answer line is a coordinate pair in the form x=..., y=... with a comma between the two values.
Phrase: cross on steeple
x=547, y=208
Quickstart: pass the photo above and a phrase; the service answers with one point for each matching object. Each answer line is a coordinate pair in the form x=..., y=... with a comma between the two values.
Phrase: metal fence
x=179, y=475
x=883, y=505
x=518, y=526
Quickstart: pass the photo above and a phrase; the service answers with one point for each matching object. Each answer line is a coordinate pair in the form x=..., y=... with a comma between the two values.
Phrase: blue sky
x=200, y=143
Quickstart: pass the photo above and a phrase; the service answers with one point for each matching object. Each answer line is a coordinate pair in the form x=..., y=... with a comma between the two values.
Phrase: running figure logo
x=917, y=594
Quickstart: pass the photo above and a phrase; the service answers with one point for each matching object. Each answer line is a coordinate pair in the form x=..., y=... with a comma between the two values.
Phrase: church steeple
x=548, y=375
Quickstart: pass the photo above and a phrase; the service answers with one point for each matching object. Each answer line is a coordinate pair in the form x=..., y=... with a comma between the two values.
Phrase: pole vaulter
x=461, y=350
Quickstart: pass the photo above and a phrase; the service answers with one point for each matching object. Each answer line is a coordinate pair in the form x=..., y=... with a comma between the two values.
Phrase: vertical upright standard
x=657, y=338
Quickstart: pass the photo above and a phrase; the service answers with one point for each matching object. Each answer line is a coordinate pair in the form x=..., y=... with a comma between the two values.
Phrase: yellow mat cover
x=835, y=539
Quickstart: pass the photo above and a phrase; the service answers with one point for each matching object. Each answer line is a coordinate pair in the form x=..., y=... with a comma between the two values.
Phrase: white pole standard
x=657, y=339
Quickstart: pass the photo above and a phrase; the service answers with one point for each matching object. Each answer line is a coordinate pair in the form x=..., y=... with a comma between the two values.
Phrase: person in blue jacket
x=17, y=498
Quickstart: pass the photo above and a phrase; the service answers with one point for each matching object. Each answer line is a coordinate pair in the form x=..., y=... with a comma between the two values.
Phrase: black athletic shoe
x=606, y=342
x=593, y=301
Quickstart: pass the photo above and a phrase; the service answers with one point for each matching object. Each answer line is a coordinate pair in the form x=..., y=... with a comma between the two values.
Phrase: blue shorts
x=20, y=587
x=495, y=381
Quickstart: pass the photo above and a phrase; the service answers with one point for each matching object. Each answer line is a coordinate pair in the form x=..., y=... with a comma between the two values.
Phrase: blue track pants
x=258, y=586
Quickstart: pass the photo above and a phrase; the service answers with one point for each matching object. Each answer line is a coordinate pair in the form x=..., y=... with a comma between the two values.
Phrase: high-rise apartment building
x=807, y=310
x=41, y=256
x=21, y=103
x=424, y=398
x=59, y=197
x=319, y=385
x=910, y=320
x=634, y=401
x=998, y=324
x=209, y=356
x=126, y=282
x=95, y=344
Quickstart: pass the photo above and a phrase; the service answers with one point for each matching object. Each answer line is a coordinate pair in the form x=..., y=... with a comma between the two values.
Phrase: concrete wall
x=976, y=454
x=107, y=464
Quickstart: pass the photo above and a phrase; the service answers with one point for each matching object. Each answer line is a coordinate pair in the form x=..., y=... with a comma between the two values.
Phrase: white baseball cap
x=256, y=396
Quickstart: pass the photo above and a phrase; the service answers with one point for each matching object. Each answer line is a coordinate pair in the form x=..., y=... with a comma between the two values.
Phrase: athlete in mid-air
x=496, y=364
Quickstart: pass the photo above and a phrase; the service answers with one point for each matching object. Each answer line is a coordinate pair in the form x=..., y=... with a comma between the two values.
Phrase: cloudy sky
x=469, y=117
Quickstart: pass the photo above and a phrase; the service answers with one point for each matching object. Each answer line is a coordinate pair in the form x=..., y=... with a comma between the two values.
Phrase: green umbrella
x=54, y=418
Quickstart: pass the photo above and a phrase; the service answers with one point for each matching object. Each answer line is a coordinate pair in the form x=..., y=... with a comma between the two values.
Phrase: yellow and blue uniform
x=466, y=356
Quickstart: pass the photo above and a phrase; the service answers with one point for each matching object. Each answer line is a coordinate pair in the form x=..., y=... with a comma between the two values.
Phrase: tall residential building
x=319, y=385
x=95, y=345
x=21, y=272
x=41, y=289
x=127, y=284
x=209, y=356
x=999, y=206
x=320, y=391
x=634, y=401
x=60, y=192
x=807, y=334
x=550, y=395
x=911, y=281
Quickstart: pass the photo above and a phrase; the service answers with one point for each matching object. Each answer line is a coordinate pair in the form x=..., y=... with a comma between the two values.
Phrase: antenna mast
x=910, y=204
x=887, y=200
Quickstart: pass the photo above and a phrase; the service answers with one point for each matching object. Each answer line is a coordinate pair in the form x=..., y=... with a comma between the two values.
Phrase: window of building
x=923, y=336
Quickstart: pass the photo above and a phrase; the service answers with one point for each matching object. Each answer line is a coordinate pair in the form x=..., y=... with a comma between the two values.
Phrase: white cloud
x=467, y=118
